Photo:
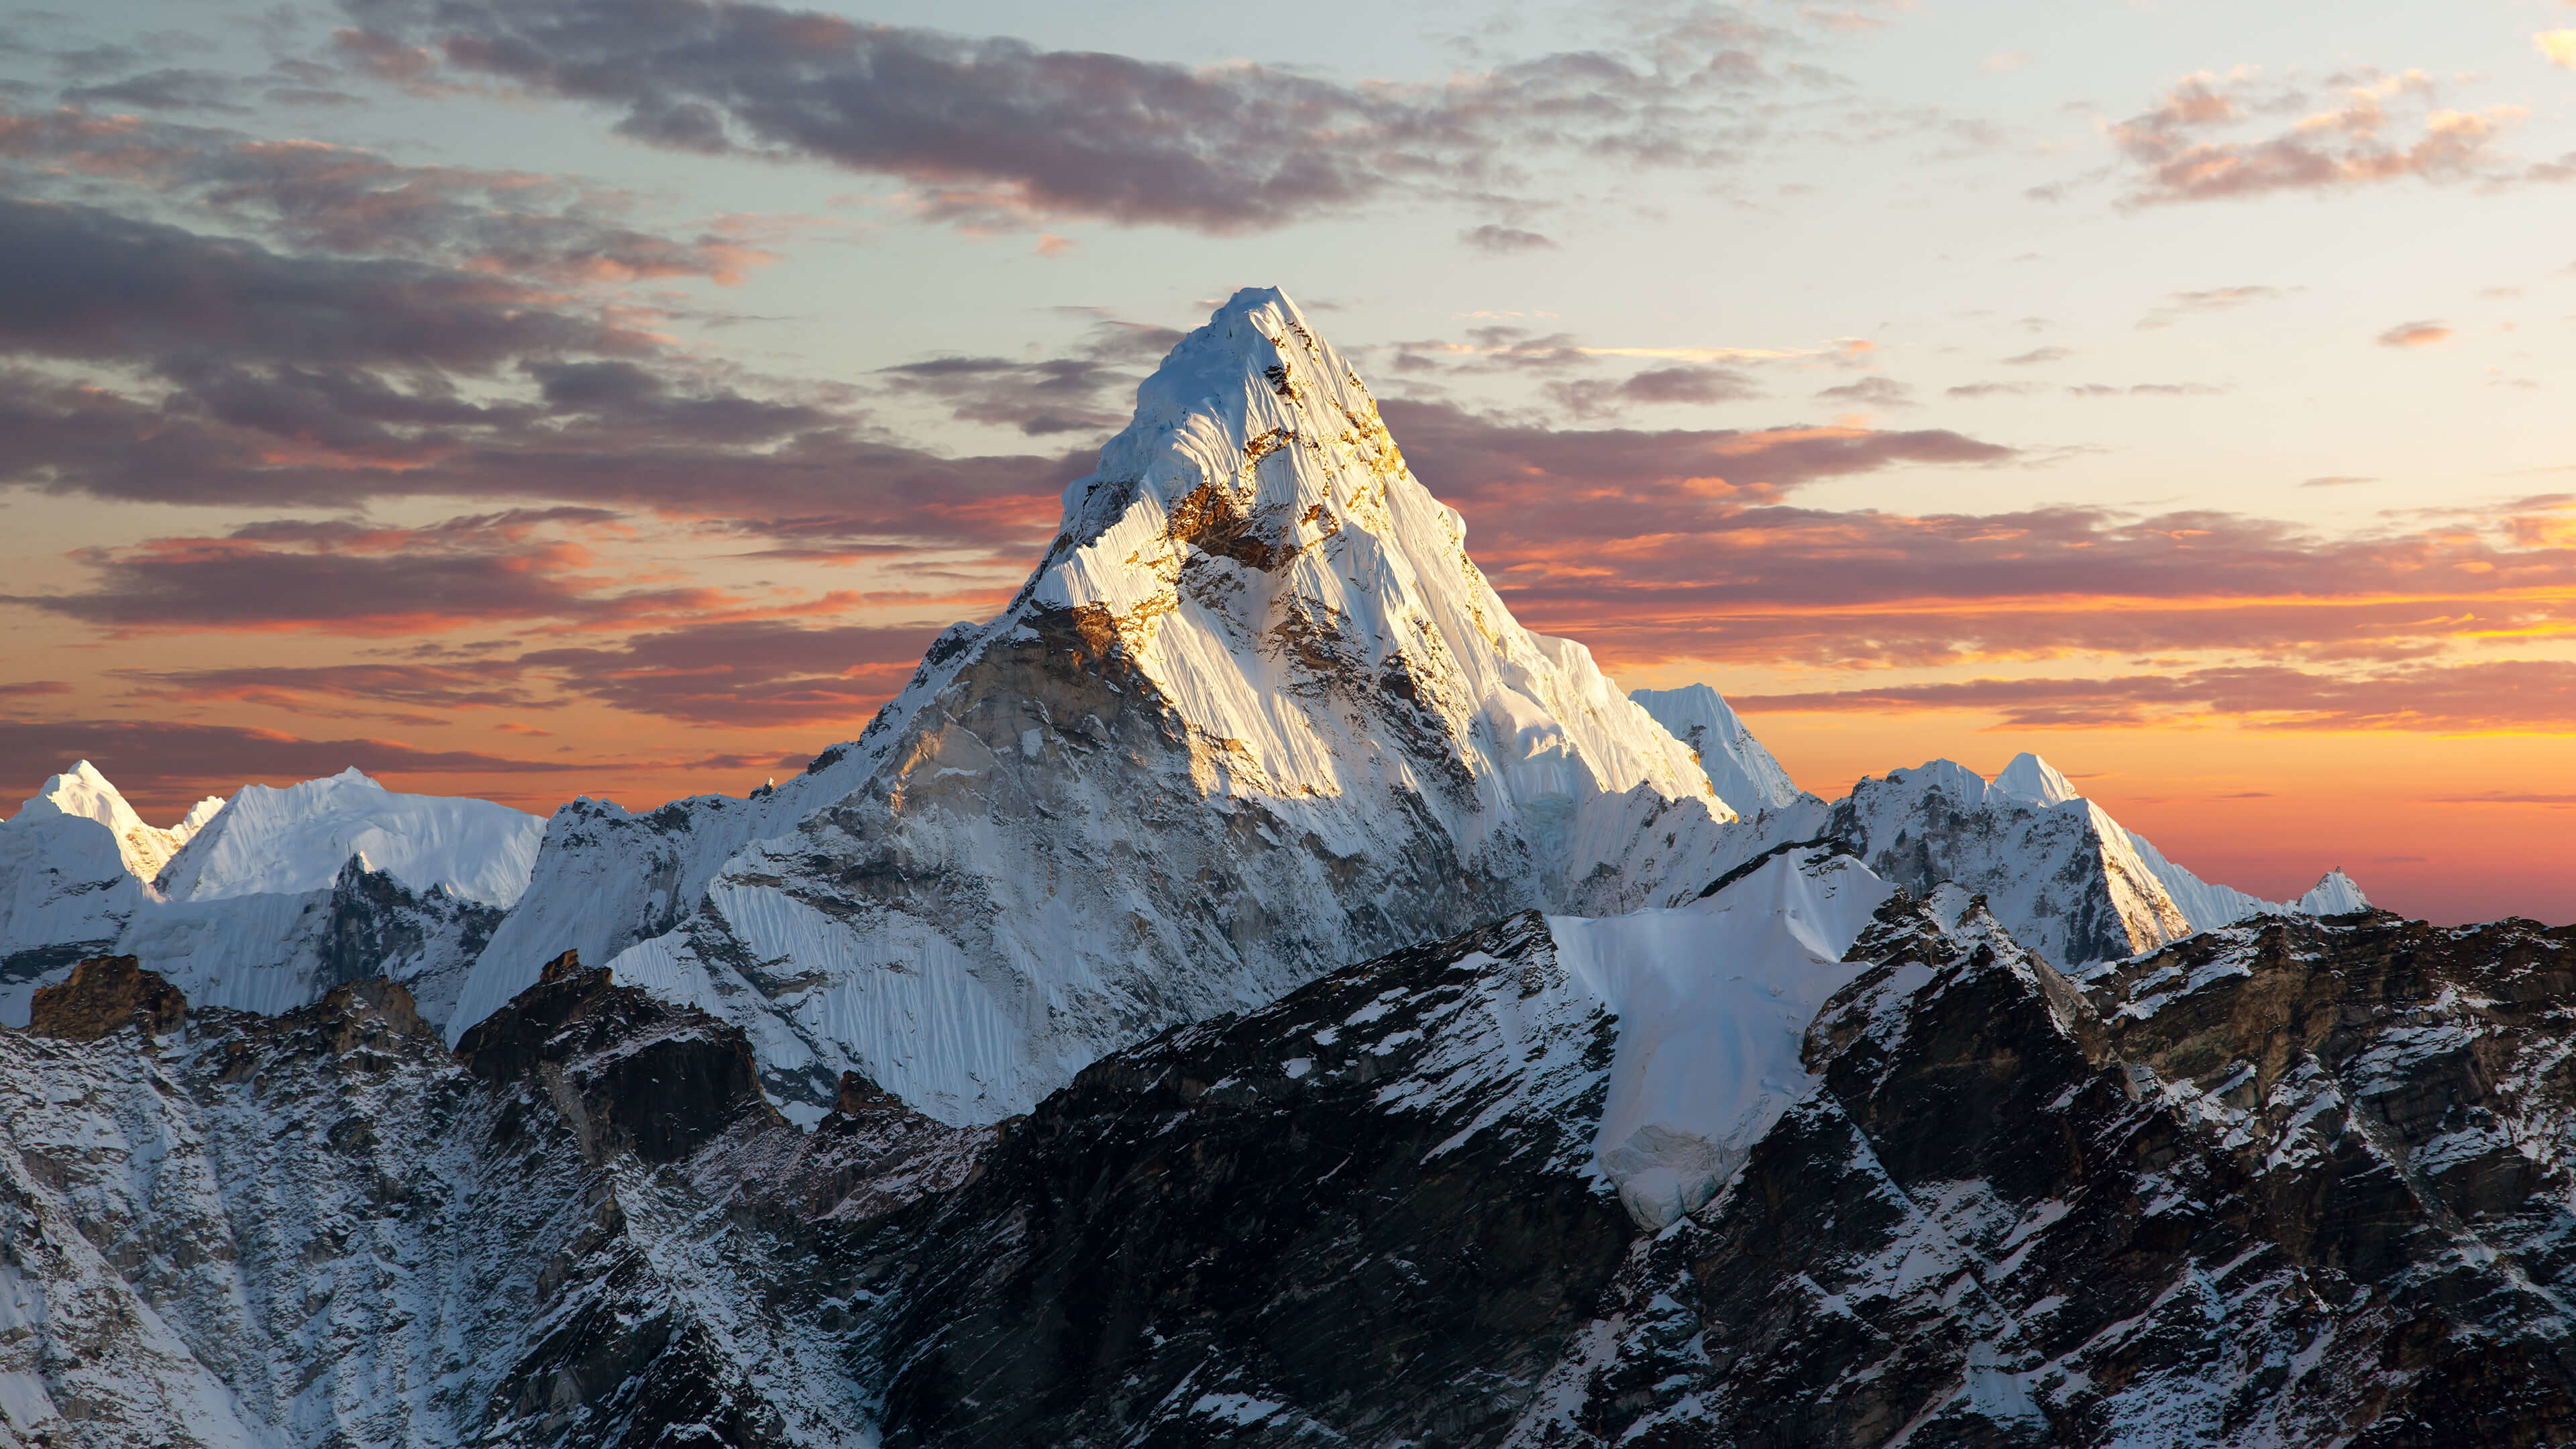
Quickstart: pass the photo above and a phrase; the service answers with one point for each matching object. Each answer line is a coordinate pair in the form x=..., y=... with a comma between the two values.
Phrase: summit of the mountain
x=1255, y=714
x=2334, y=894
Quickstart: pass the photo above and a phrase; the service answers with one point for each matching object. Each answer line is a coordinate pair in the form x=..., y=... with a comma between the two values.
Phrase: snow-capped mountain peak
x=1743, y=773
x=82, y=793
x=2334, y=894
x=270, y=841
x=1256, y=714
x=2031, y=778
x=1253, y=540
x=2069, y=880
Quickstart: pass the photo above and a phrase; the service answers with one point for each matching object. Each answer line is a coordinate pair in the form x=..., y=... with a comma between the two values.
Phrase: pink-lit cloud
x=2194, y=145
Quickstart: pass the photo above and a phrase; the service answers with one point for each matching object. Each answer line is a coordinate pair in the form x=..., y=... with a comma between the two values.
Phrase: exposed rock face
x=2195, y=1205
x=105, y=994
x=319, y=1229
x=1350, y=1214
x=2296, y=1182
x=631, y=1074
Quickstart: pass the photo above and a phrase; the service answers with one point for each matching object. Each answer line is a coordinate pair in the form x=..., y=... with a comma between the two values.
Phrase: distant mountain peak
x=2334, y=894
x=268, y=841
x=83, y=793
x=2031, y=778
x=1744, y=774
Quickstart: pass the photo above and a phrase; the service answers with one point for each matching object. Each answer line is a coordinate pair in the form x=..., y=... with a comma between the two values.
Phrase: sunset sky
x=533, y=398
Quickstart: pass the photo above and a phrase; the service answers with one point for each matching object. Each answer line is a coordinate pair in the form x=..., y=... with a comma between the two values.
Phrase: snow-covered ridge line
x=1255, y=715
x=2068, y=880
x=267, y=840
x=261, y=902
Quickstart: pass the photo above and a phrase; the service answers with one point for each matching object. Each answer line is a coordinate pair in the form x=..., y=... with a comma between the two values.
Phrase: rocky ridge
x=2297, y=1181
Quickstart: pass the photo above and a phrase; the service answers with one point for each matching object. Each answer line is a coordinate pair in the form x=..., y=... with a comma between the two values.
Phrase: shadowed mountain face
x=2292, y=1182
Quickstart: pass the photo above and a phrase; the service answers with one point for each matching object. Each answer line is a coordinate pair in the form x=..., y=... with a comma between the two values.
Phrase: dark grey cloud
x=80, y=282
x=310, y=437
x=239, y=374
x=1496, y=349
x=1090, y=391
x=1871, y=392
x=1700, y=386
x=340, y=577
x=986, y=127
x=752, y=673
x=309, y=197
x=346, y=689
x=1481, y=461
x=757, y=674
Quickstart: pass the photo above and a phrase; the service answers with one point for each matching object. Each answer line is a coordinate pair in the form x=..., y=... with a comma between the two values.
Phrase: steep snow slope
x=65, y=888
x=1744, y=774
x=1255, y=715
x=1712, y=1001
x=267, y=841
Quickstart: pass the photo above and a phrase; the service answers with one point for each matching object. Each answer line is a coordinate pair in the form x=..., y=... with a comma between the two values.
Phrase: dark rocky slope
x=2295, y=1182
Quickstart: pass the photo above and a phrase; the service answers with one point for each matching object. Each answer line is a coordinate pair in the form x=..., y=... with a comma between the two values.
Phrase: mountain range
x=1253, y=990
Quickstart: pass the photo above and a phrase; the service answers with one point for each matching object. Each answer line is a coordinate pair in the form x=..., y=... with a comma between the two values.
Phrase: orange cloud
x=2415, y=334
x=2558, y=47
x=2497, y=697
